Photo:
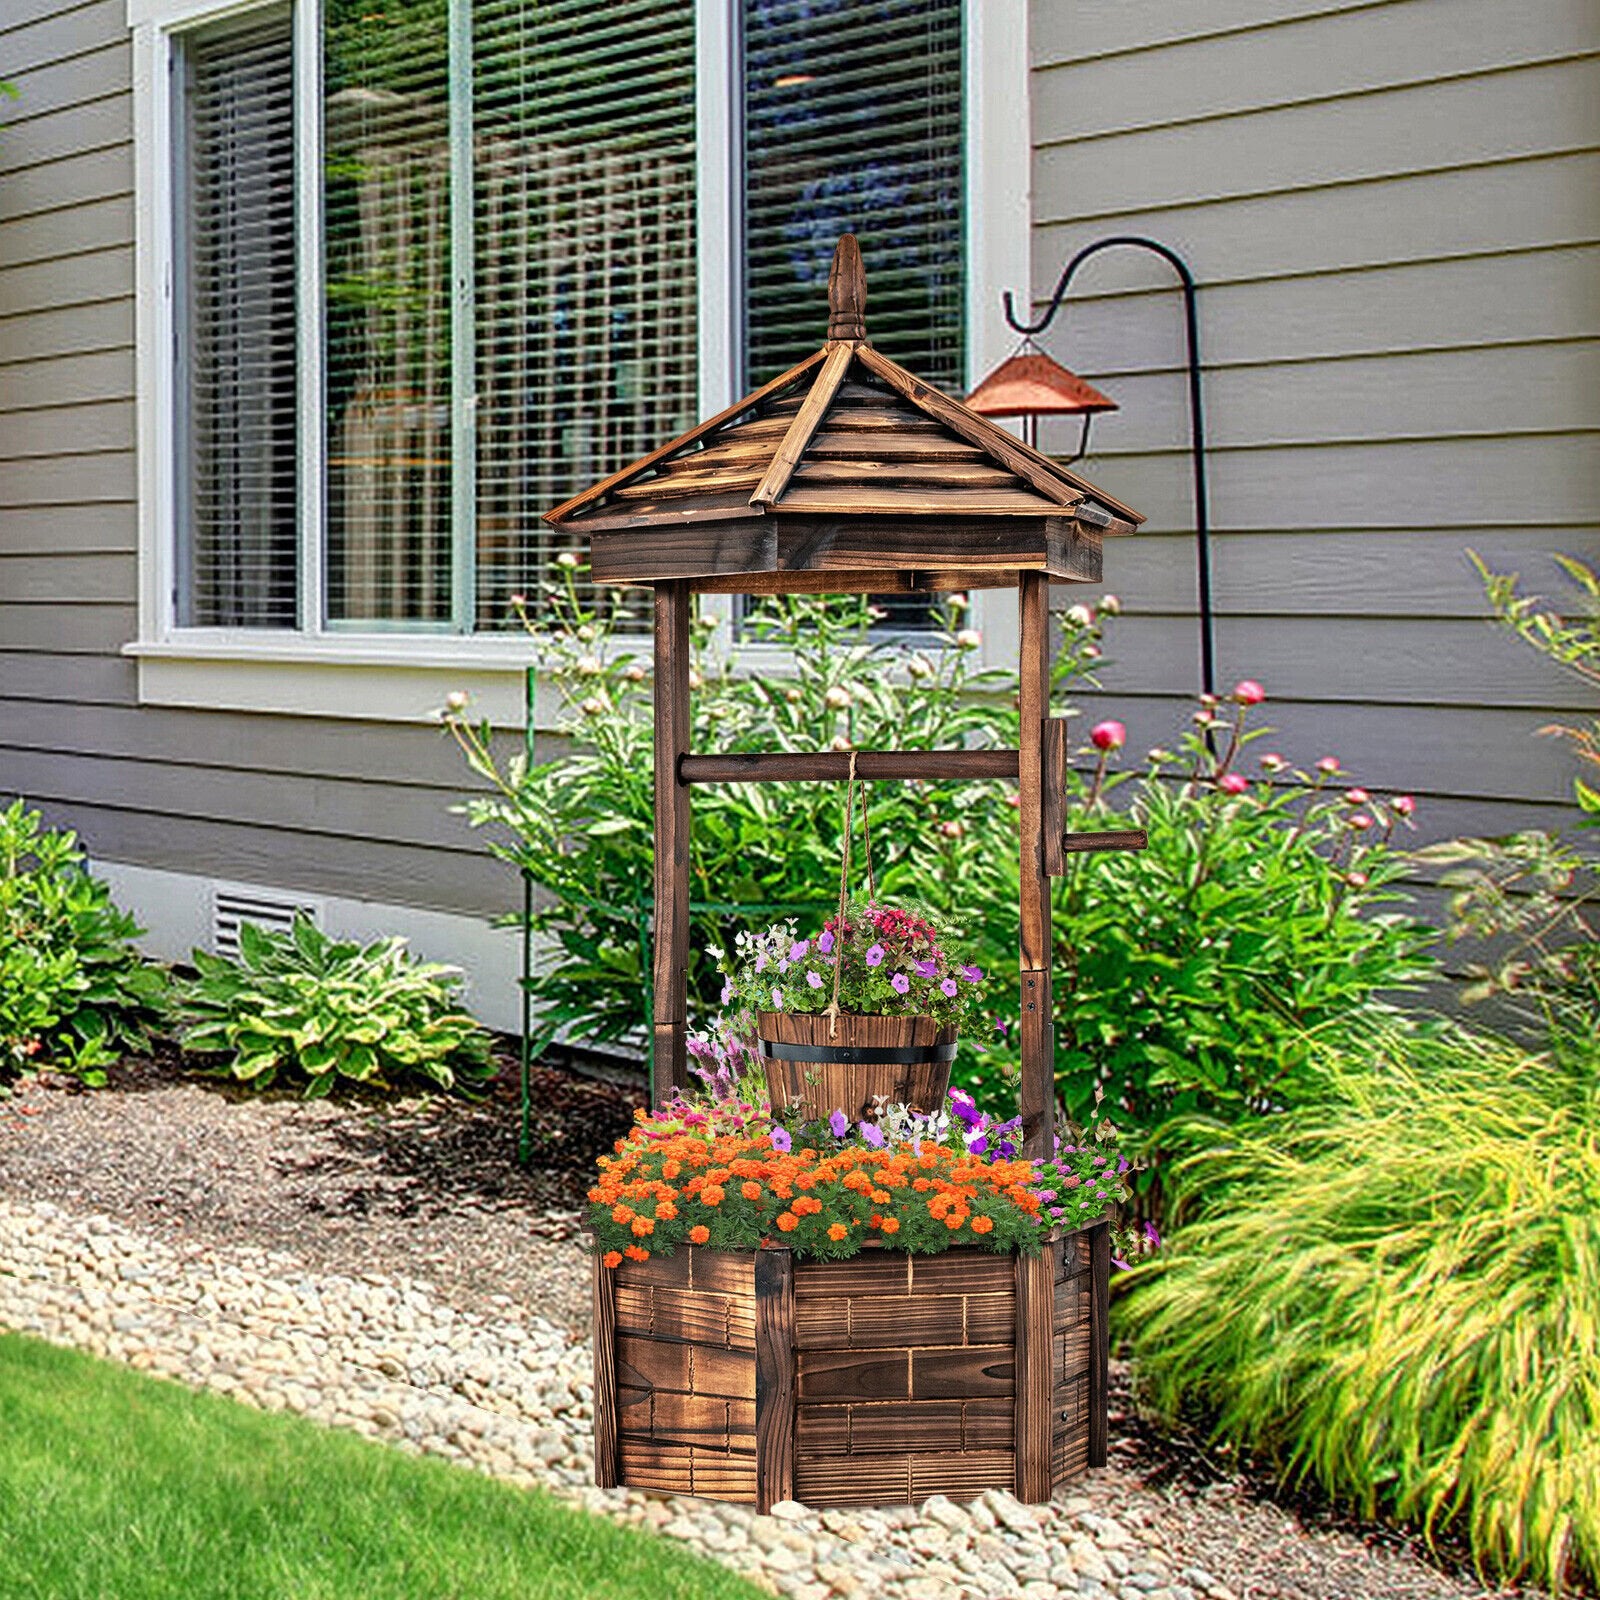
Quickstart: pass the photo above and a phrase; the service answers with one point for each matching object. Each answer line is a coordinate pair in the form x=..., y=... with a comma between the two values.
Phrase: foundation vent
x=235, y=904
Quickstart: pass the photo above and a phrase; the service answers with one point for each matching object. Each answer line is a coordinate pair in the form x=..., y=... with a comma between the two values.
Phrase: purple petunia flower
x=1120, y=1264
x=825, y=943
x=1151, y=1234
x=973, y=974
x=814, y=979
x=777, y=999
x=727, y=993
x=948, y=986
x=761, y=960
x=871, y=1134
x=926, y=969
x=797, y=951
x=1122, y=1166
x=838, y=1122
x=900, y=983
x=781, y=1141
x=978, y=1146
x=875, y=955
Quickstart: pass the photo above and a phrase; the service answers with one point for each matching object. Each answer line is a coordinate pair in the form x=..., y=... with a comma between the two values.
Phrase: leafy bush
x=308, y=1006
x=1196, y=976
x=73, y=990
x=1394, y=1294
x=579, y=820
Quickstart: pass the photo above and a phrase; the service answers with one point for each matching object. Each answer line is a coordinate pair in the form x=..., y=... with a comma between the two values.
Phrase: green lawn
x=115, y=1486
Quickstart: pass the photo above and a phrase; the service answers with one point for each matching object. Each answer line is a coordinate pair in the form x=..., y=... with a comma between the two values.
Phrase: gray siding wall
x=1394, y=209
x=353, y=809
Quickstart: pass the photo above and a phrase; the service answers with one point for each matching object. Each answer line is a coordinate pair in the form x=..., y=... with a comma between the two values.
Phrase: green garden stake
x=530, y=745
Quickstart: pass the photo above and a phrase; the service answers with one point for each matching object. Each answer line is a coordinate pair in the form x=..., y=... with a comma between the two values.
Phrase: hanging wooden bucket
x=810, y=1063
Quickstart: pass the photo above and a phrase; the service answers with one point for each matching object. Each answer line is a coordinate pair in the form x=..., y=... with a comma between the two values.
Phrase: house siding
x=324, y=806
x=1393, y=210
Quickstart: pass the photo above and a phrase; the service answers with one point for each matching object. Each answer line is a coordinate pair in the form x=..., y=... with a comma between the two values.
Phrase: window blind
x=387, y=309
x=237, y=477
x=853, y=124
x=584, y=262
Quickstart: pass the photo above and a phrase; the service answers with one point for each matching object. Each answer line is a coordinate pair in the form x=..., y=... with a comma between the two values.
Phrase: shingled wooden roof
x=845, y=472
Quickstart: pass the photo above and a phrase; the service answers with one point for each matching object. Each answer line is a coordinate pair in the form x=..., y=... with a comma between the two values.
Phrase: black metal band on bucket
x=859, y=1055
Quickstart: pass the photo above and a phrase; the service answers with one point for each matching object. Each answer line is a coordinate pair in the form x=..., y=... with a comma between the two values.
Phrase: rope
x=844, y=891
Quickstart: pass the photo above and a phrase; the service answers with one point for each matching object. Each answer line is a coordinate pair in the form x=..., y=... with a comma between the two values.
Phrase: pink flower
x=973, y=974
x=814, y=979
x=927, y=969
x=1360, y=822
x=875, y=956
x=797, y=951
x=1356, y=797
x=1273, y=762
x=825, y=944
x=1233, y=783
x=948, y=986
x=1328, y=764
x=781, y=1140
x=1247, y=692
x=777, y=999
x=1108, y=736
x=1403, y=805
x=900, y=983
x=727, y=993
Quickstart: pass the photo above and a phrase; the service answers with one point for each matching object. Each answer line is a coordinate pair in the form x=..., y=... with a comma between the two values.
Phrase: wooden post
x=1038, y=1032
x=1099, y=1341
x=670, y=983
x=605, y=1377
x=1036, y=1304
x=775, y=1378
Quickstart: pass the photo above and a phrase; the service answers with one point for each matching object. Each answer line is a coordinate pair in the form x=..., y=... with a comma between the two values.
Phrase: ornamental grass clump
x=723, y=1174
x=886, y=961
x=1393, y=1294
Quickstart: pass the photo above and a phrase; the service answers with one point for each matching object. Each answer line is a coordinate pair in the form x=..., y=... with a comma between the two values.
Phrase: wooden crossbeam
x=833, y=766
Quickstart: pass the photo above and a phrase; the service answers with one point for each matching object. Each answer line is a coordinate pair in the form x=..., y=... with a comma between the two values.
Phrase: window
x=439, y=267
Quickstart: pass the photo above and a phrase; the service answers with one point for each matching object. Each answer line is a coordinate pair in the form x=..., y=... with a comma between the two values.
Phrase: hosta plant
x=74, y=992
x=310, y=1009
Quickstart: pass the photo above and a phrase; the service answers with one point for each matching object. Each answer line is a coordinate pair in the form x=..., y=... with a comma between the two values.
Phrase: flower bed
x=847, y=1313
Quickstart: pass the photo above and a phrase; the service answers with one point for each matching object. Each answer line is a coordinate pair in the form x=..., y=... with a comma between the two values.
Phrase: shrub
x=306, y=1006
x=579, y=820
x=1197, y=975
x=1394, y=1294
x=73, y=990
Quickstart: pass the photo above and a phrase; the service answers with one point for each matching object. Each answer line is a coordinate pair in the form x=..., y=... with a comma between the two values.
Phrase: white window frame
x=394, y=676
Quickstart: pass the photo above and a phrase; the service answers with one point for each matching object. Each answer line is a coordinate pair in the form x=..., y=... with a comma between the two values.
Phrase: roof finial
x=847, y=292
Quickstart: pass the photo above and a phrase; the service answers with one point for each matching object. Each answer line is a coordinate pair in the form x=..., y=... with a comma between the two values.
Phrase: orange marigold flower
x=712, y=1194
x=699, y=1233
x=837, y=1231
x=874, y=1221
x=643, y=1225
x=622, y=1214
x=788, y=1221
x=954, y=1220
x=670, y=1169
x=891, y=1224
x=634, y=1253
x=751, y=1191
x=666, y=1211
x=879, y=1197
x=922, y=1185
x=612, y=1258
x=983, y=1224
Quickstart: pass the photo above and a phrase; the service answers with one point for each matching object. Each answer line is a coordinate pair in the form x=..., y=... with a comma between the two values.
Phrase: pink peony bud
x=1328, y=764
x=1209, y=700
x=1108, y=736
x=1273, y=762
x=1356, y=880
x=1233, y=783
x=1356, y=797
x=1247, y=692
x=1360, y=822
x=1403, y=805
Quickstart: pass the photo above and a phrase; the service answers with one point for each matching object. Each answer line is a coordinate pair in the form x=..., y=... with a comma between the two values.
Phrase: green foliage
x=1571, y=640
x=1394, y=1294
x=118, y=1486
x=579, y=819
x=73, y=990
x=1197, y=975
x=307, y=1006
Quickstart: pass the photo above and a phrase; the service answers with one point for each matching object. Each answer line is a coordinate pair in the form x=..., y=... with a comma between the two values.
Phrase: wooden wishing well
x=751, y=1376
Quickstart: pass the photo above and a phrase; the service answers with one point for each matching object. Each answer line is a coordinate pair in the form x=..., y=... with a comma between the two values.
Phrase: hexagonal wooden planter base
x=753, y=1377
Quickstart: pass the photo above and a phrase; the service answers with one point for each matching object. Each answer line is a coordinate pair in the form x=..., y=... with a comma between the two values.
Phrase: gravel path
x=454, y=1322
